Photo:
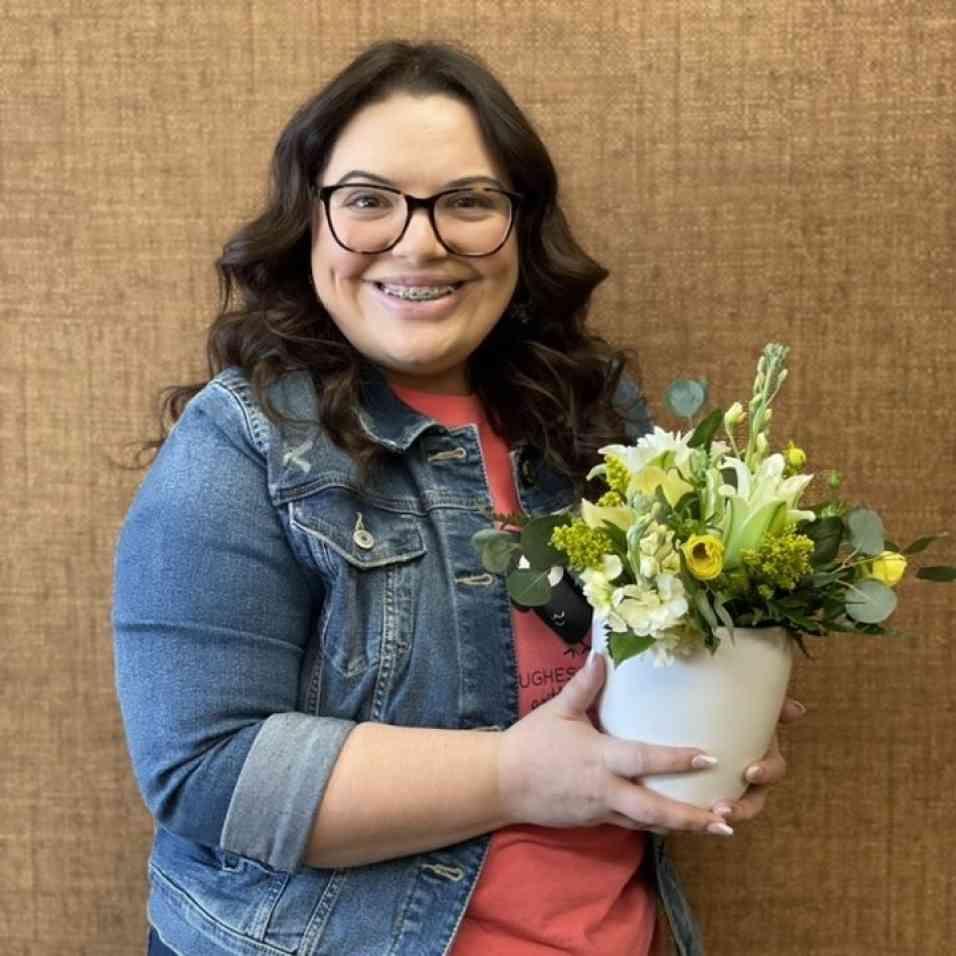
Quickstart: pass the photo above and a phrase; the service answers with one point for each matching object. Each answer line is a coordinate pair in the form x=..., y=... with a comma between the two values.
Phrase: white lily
x=760, y=504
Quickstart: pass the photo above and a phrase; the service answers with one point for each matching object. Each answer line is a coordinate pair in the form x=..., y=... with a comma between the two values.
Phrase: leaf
x=536, y=541
x=625, y=645
x=866, y=531
x=941, y=574
x=872, y=603
x=705, y=431
x=921, y=544
x=685, y=397
x=618, y=538
x=496, y=550
x=529, y=587
x=706, y=611
x=826, y=534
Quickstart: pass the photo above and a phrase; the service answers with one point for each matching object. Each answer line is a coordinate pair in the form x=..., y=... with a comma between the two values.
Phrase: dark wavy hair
x=547, y=381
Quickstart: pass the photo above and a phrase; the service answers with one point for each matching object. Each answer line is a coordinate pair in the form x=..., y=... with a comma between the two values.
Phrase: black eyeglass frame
x=411, y=204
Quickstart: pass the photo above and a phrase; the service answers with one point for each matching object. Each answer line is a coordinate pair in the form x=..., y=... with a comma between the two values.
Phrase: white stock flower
x=597, y=585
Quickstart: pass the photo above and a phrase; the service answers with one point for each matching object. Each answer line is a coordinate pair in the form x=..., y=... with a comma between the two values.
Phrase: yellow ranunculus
x=705, y=556
x=888, y=568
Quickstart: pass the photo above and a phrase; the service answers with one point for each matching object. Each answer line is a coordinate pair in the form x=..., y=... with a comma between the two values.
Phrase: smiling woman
x=416, y=309
x=346, y=733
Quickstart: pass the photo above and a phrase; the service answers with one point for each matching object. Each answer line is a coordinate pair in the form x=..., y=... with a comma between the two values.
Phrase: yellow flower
x=705, y=556
x=888, y=568
x=795, y=458
x=654, y=477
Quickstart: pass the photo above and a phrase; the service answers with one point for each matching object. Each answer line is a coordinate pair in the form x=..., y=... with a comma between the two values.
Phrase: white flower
x=657, y=447
x=597, y=583
x=759, y=504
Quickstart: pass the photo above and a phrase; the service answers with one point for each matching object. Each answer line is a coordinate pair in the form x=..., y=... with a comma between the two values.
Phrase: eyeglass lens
x=469, y=221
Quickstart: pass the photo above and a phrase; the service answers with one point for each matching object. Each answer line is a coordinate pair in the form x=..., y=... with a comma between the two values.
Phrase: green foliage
x=871, y=602
x=866, y=531
x=536, y=540
x=622, y=646
x=920, y=544
x=496, y=549
x=826, y=535
x=685, y=397
x=938, y=574
x=705, y=431
x=529, y=587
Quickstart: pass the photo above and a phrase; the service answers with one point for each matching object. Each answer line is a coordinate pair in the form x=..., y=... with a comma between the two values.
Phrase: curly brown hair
x=548, y=382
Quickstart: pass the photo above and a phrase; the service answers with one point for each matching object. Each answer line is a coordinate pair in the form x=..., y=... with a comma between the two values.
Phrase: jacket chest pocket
x=370, y=560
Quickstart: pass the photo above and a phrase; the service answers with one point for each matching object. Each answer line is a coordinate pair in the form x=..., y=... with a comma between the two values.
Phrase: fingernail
x=799, y=706
x=592, y=657
x=723, y=809
x=719, y=829
x=753, y=774
x=703, y=760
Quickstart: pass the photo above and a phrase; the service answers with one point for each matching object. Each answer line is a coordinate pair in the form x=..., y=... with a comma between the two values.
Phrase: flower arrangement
x=694, y=533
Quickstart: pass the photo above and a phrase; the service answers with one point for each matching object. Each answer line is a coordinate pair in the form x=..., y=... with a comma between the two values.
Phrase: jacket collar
x=386, y=419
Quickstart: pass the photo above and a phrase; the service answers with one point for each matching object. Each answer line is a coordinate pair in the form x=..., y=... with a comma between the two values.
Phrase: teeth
x=417, y=293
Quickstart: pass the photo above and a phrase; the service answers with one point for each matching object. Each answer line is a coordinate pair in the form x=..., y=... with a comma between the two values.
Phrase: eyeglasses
x=370, y=219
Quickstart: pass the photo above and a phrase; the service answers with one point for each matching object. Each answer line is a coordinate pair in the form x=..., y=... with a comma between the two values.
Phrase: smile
x=417, y=293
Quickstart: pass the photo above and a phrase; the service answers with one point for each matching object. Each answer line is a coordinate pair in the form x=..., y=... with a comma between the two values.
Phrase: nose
x=419, y=240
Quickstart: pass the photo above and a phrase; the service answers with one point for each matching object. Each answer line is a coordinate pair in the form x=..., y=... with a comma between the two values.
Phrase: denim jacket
x=263, y=605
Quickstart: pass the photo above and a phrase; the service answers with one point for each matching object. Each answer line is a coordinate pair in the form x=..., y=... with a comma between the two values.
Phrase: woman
x=349, y=740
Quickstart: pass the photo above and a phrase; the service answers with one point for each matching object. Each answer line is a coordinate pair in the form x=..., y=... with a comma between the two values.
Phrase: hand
x=762, y=775
x=557, y=770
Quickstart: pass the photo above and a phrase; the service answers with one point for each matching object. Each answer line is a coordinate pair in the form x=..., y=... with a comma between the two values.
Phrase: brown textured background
x=749, y=171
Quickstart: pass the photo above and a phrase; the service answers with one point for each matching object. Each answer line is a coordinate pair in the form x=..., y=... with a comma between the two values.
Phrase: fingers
x=581, y=691
x=652, y=811
x=629, y=758
x=760, y=775
x=792, y=710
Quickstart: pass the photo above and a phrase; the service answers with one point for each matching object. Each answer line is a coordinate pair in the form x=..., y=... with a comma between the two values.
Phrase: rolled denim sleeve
x=211, y=617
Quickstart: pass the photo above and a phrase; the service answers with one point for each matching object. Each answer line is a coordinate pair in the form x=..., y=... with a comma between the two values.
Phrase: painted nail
x=723, y=809
x=720, y=829
x=754, y=774
x=799, y=706
x=703, y=760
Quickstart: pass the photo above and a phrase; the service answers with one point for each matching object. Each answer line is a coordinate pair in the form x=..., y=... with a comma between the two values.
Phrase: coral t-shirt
x=545, y=889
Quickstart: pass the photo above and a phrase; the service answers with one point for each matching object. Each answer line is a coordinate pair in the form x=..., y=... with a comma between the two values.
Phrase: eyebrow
x=453, y=184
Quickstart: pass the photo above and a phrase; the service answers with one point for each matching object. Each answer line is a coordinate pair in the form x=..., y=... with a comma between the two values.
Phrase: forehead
x=418, y=142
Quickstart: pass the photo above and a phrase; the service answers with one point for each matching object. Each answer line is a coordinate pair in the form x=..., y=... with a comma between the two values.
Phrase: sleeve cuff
x=280, y=787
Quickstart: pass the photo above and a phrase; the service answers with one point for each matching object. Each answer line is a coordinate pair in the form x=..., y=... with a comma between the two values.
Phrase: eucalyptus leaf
x=536, y=541
x=705, y=431
x=921, y=544
x=871, y=602
x=625, y=645
x=529, y=587
x=497, y=552
x=866, y=531
x=940, y=574
x=685, y=397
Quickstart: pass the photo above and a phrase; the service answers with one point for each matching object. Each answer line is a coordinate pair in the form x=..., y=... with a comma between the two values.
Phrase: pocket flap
x=365, y=535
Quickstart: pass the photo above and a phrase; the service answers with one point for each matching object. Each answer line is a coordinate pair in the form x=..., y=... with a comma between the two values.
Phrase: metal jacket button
x=362, y=536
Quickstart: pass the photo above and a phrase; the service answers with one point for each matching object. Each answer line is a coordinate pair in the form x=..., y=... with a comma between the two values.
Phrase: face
x=418, y=145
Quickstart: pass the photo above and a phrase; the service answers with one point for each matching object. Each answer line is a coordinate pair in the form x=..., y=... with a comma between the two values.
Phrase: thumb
x=581, y=691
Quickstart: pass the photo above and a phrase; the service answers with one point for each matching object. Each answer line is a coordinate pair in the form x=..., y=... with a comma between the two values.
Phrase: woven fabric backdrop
x=749, y=171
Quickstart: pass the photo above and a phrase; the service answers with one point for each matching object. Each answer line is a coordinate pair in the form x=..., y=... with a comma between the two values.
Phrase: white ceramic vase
x=726, y=703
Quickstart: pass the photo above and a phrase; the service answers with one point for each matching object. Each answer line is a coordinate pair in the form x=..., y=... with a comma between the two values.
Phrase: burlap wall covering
x=749, y=171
